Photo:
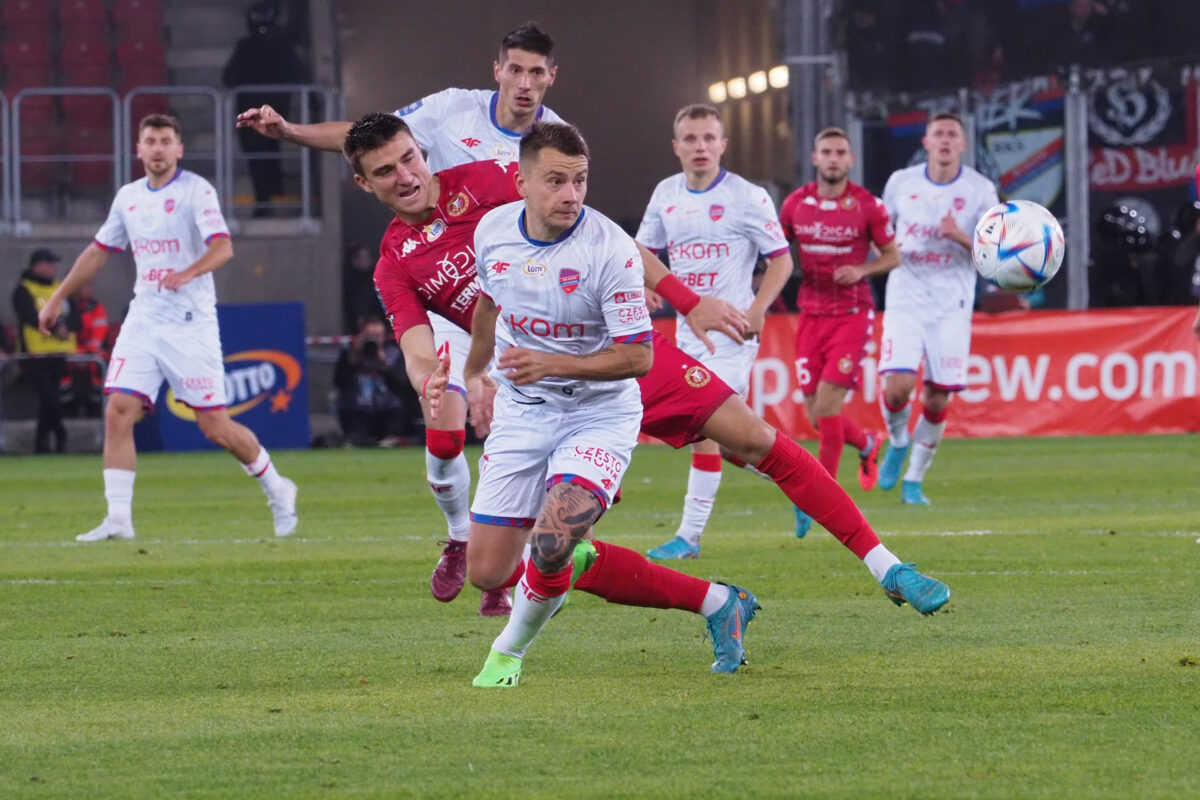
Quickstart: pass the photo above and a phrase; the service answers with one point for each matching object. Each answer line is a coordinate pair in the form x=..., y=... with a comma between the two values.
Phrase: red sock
x=625, y=576
x=515, y=578
x=816, y=493
x=547, y=584
x=856, y=437
x=732, y=459
x=935, y=416
x=833, y=439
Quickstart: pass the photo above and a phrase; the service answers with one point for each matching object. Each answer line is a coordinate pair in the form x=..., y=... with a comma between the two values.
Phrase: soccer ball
x=1018, y=245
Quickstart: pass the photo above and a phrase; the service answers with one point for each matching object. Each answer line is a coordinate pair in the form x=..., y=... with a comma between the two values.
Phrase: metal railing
x=220, y=151
x=302, y=155
x=228, y=164
x=18, y=158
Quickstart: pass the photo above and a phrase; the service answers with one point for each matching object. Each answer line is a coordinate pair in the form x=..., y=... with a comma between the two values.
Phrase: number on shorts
x=803, y=376
x=113, y=373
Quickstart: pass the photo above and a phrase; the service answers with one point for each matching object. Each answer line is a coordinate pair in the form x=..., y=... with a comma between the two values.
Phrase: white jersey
x=575, y=295
x=935, y=273
x=712, y=237
x=458, y=126
x=167, y=229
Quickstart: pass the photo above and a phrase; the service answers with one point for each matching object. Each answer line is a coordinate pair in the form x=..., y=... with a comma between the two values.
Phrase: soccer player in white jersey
x=453, y=127
x=172, y=223
x=562, y=309
x=713, y=225
x=929, y=298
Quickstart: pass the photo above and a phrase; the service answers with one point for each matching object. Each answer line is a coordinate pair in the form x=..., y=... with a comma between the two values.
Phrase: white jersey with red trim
x=457, y=126
x=575, y=295
x=167, y=230
x=712, y=237
x=935, y=273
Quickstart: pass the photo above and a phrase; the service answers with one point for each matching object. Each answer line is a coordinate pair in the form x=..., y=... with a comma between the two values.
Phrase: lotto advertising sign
x=266, y=382
x=1032, y=373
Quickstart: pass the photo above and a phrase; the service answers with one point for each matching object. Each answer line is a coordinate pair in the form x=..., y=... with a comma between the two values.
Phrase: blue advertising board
x=266, y=382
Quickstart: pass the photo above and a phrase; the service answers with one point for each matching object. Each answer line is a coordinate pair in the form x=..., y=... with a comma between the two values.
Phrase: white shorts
x=449, y=338
x=187, y=355
x=731, y=363
x=533, y=447
x=945, y=343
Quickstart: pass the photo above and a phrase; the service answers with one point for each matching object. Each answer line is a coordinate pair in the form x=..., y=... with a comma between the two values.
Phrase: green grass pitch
x=208, y=659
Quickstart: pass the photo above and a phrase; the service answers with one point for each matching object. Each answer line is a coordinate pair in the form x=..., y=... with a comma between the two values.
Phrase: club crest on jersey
x=534, y=270
x=169, y=204
x=434, y=230
x=715, y=212
x=568, y=279
x=697, y=376
x=848, y=202
x=845, y=365
x=458, y=205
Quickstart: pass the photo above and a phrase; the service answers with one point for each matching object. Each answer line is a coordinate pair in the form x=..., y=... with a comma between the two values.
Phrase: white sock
x=450, y=481
x=118, y=491
x=698, y=504
x=897, y=424
x=528, y=618
x=718, y=593
x=879, y=560
x=263, y=470
x=926, y=437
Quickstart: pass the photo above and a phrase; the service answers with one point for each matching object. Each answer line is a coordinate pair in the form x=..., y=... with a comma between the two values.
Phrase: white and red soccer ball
x=1018, y=245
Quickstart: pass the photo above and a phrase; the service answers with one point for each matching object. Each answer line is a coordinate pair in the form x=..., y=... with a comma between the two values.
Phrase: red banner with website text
x=1030, y=373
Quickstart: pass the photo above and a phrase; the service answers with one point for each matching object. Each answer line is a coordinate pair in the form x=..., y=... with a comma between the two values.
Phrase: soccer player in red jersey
x=833, y=223
x=682, y=400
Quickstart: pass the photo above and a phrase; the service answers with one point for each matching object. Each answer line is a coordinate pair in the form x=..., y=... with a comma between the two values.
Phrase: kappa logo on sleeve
x=410, y=108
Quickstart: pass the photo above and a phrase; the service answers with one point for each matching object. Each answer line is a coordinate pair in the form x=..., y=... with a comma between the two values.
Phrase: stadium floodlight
x=778, y=76
x=757, y=82
x=736, y=88
x=717, y=93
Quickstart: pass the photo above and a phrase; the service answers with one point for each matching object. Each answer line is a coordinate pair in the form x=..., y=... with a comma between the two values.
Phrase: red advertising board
x=1031, y=373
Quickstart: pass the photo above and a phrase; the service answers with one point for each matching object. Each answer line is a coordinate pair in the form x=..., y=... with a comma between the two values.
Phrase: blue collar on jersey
x=496, y=124
x=957, y=175
x=720, y=177
x=561, y=236
x=178, y=172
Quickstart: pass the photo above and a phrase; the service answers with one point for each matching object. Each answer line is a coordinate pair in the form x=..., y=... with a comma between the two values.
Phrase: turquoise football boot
x=677, y=548
x=727, y=627
x=903, y=584
x=803, y=523
x=911, y=494
x=890, y=466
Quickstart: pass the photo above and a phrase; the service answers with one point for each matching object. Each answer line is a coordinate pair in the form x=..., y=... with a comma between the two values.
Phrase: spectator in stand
x=84, y=382
x=373, y=393
x=359, y=298
x=867, y=30
x=264, y=56
x=45, y=372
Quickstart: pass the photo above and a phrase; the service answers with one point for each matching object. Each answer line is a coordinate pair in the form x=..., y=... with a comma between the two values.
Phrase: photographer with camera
x=375, y=403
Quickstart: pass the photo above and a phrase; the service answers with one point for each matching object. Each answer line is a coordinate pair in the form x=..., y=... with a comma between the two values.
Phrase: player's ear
x=553, y=73
x=520, y=181
x=362, y=182
x=496, y=70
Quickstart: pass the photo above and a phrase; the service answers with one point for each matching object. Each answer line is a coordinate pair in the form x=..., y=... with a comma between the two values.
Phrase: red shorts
x=679, y=395
x=831, y=349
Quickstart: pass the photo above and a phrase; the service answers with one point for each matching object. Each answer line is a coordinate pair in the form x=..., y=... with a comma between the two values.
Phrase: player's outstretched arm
x=613, y=363
x=481, y=390
x=220, y=250
x=428, y=374
x=85, y=268
x=317, y=135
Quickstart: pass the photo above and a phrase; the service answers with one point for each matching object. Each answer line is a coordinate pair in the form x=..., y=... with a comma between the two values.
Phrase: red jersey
x=832, y=233
x=431, y=267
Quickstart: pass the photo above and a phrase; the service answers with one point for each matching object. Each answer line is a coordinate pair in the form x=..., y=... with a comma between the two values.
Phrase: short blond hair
x=698, y=111
x=831, y=132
